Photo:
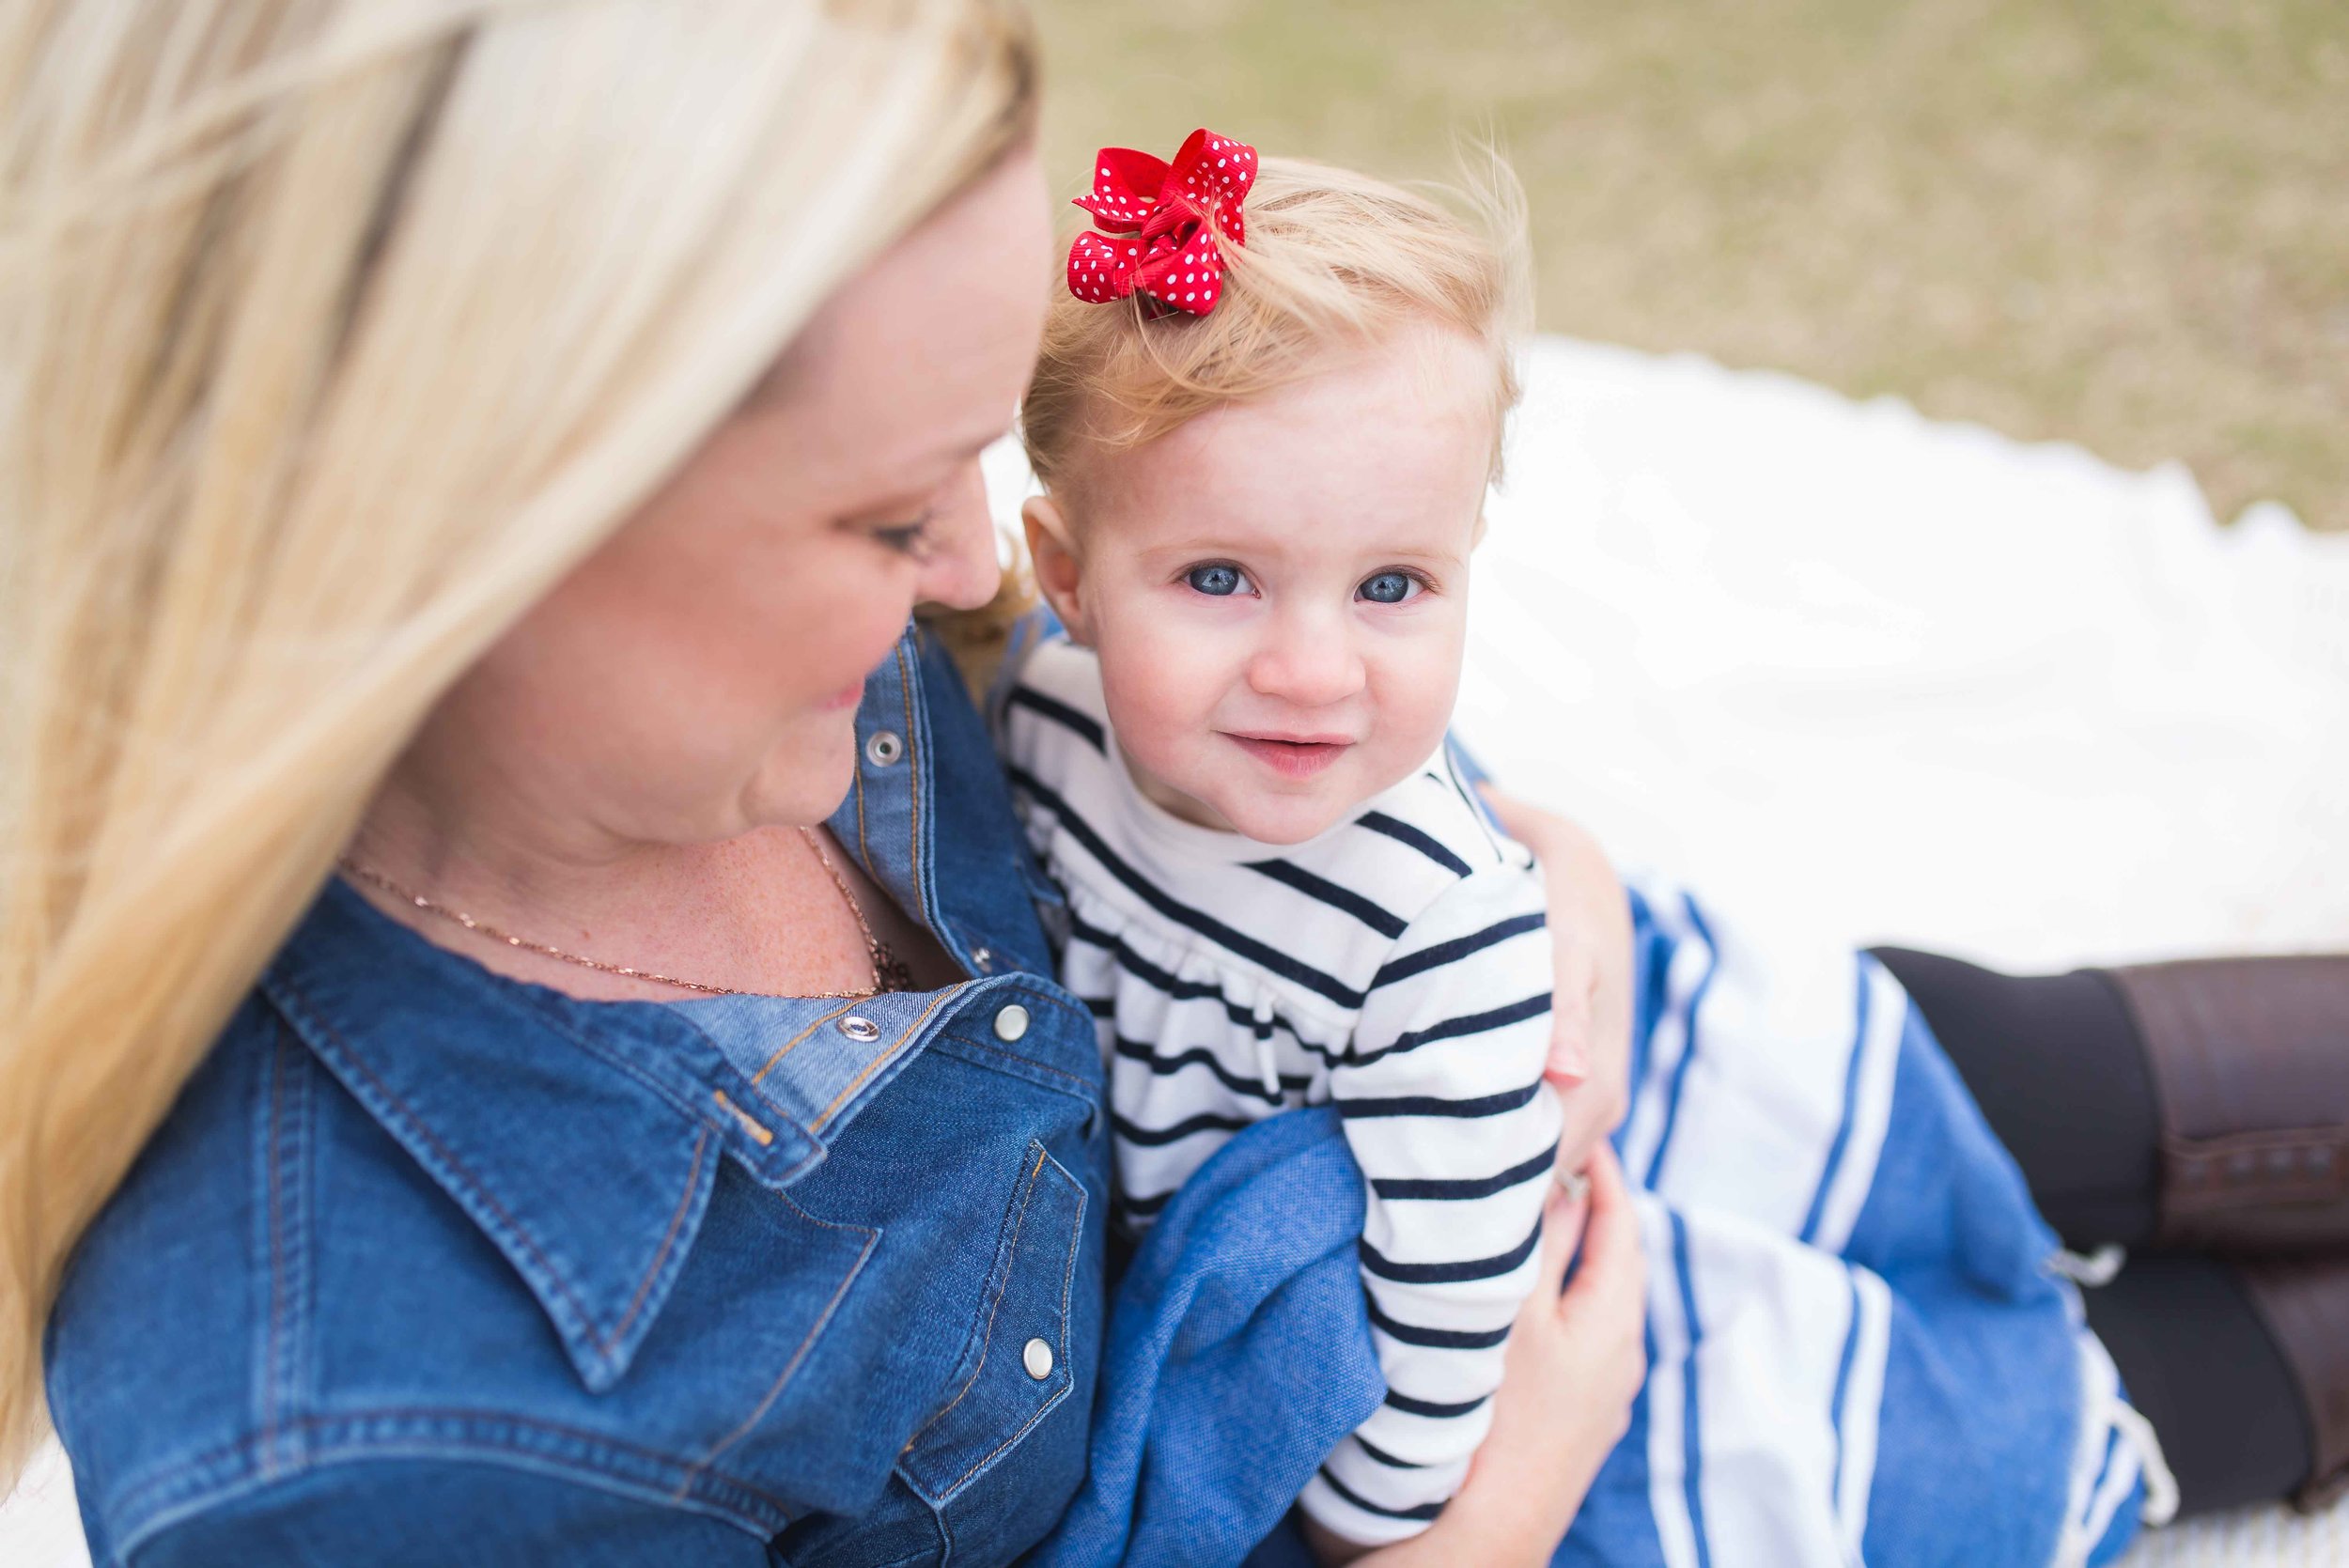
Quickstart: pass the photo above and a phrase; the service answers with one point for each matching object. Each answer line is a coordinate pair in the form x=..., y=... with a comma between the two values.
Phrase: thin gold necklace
x=889, y=972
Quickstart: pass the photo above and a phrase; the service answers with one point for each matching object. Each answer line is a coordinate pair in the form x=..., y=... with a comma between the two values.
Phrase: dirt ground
x=2120, y=221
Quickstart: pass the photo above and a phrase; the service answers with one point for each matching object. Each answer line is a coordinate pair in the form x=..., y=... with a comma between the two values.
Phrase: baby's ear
x=1059, y=569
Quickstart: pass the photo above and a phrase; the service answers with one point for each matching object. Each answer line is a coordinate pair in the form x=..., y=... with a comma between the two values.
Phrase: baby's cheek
x=1416, y=692
x=1154, y=685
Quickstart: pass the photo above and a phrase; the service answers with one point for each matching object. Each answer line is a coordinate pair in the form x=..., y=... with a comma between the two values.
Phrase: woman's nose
x=1306, y=659
x=961, y=570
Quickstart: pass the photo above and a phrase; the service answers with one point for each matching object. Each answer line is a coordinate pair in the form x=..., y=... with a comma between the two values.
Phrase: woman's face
x=698, y=675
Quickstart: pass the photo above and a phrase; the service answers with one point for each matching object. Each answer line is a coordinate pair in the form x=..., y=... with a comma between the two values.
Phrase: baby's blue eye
x=1218, y=580
x=1387, y=587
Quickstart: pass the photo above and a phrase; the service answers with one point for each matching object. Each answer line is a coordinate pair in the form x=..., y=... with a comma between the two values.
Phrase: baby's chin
x=1279, y=819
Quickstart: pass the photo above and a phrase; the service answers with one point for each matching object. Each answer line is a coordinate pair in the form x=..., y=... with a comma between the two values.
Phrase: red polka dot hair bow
x=1161, y=244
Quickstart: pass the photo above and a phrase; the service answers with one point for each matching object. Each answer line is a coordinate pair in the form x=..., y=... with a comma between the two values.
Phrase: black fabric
x=2056, y=1067
x=2061, y=1077
x=2199, y=1365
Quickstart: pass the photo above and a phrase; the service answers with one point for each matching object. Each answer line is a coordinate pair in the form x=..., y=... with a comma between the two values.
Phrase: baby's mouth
x=1292, y=756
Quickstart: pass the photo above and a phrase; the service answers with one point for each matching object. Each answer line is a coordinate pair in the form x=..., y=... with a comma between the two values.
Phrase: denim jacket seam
x=1068, y=1274
x=1068, y=1270
x=668, y=1239
x=685, y=1106
x=287, y=1144
x=462, y=1174
x=1041, y=992
x=735, y=1077
x=863, y=846
x=995, y=1300
x=1079, y=1088
x=915, y=755
x=814, y=1331
x=925, y=871
x=792, y=1044
x=889, y=1052
x=148, y=1509
x=277, y=981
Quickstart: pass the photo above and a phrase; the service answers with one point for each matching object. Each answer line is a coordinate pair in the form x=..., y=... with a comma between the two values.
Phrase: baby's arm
x=1444, y=1105
x=1577, y=1360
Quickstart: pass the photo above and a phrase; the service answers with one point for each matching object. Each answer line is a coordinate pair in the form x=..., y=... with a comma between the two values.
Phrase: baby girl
x=1265, y=419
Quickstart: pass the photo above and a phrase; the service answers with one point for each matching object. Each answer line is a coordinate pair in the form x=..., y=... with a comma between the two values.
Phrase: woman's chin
x=803, y=785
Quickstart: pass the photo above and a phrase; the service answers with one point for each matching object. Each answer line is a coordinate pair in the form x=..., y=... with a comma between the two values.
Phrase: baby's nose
x=1310, y=665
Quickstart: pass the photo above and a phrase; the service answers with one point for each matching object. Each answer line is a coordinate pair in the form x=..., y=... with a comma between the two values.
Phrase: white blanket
x=1915, y=679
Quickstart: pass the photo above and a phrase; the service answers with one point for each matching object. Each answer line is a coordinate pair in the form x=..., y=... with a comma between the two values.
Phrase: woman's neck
x=755, y=912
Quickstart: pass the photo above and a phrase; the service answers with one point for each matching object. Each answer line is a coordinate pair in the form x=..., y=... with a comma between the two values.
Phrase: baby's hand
x=1575, y=1363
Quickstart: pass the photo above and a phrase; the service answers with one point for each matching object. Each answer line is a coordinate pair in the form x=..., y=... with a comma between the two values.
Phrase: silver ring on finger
x=1576, y=1184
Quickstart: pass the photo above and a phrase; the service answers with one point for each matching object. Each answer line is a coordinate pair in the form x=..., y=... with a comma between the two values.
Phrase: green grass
x=2120, y=221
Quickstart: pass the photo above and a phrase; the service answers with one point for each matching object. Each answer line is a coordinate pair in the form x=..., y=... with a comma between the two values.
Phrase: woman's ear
x=1059, y=569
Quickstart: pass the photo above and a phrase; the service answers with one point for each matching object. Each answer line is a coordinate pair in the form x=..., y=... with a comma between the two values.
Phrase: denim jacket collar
x=590, y=1166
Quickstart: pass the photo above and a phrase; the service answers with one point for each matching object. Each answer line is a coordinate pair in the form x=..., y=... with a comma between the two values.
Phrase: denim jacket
x=431, y=1265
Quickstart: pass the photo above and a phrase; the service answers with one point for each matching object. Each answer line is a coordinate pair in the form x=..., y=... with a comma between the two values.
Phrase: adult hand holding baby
x=1589, y=930
x=1577, y=1360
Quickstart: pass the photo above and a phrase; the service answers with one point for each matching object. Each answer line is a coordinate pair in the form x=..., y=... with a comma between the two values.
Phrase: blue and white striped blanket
x=1859, y=1348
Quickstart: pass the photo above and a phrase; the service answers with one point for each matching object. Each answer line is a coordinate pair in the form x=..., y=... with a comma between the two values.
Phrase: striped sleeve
x=1444, y=1106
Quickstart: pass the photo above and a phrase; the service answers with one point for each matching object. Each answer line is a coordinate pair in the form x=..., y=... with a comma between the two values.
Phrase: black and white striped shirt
x=1396, y=965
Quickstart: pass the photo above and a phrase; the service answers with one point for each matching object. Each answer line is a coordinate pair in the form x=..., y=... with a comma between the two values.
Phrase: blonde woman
x=493, y=449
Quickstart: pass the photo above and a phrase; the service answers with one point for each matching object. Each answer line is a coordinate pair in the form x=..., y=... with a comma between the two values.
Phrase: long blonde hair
x=331, y=333
x=1332, y=258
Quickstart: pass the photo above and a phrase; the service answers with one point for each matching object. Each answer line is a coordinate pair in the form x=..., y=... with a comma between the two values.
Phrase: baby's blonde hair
x=1333, y=260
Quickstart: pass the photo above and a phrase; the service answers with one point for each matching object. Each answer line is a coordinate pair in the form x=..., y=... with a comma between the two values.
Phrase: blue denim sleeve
x=453, y=1513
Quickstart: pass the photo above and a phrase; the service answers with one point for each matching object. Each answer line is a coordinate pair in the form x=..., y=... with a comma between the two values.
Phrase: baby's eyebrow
x=1210, y=544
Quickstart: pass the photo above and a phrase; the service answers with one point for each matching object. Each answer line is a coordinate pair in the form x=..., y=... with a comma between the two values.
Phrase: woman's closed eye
x=907, y=539
x=1218, y=579
x=1391, y=587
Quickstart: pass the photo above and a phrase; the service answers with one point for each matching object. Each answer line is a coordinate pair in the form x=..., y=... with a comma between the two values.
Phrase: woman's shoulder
x=152, y=1356
x=414, y=1219
x=383, y=1507
x=280, y=1332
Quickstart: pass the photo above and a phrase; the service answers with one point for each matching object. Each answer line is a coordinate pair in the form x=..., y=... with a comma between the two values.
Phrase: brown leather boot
x=2250, y=1063
x=2304, y=1305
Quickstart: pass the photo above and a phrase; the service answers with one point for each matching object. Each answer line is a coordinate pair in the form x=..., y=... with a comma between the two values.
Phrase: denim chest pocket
x=1015, y=1364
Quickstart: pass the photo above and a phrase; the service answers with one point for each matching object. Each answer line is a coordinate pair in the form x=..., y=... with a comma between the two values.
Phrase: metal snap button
x=1037, y=1357
x=883, y=748
x=982, y=959
x=857, y=1027
x=1011, y=1023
